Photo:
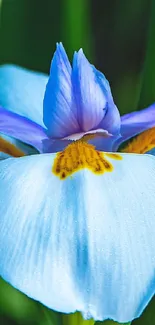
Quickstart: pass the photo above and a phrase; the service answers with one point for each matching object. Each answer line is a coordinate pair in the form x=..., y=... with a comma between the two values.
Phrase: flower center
x=10, y=148
x=79, y=155
x=142, y=143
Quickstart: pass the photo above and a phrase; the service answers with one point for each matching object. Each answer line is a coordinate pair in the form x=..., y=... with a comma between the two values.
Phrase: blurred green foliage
x=148, y=316
x=118, y=36
x=148, y=85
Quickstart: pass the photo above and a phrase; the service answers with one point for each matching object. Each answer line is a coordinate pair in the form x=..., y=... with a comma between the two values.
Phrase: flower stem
x=111, y=322
x=76, y=319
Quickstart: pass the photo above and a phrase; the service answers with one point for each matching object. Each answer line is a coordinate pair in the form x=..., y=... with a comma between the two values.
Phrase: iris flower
x=77, y=102
x=77, y=222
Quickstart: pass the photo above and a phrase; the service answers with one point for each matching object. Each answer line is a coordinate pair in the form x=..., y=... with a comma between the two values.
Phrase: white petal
x=85, y=243
x=22, y=91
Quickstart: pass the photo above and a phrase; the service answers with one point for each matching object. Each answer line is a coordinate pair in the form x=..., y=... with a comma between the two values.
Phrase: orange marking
x=142, y=143
x=10, y=148
x=79, y=155
x=115, y=156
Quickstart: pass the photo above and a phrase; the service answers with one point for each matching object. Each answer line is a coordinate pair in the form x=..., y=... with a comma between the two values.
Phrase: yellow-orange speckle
x=10, y=148
x=142, y=143
x=115, y=156
x=80, y=155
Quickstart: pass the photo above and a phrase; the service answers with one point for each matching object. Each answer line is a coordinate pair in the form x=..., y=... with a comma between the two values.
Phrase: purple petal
x=104, y=143
x=60, y=115
x=52, y=146
x=111, y=121
x=135, y=123
x=22, y=129
x=96, y=108
x=90, y=97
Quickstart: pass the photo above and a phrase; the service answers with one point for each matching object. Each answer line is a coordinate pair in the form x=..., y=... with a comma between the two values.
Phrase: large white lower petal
x=85, y=243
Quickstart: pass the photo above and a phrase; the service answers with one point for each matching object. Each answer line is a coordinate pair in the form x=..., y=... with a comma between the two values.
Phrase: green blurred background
x=118, y=36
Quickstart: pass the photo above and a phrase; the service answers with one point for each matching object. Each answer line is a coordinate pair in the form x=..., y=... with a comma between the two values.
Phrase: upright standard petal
x=73, y=248
x=111, y=121
x=22, y=129
x=90, y=97
x=22, y=91
x=60, y=116
x=93, y=96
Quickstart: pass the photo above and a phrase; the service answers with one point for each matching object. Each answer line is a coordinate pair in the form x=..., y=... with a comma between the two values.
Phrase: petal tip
x=60, y=57
x=81, y=55
x=60, y=47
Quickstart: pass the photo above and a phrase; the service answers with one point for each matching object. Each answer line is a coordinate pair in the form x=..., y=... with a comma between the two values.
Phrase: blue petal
x=22, y=129
x=52, y=146
x=59, y=106
x=93, y=96
x=104, y=143
x=112, y=121
x=90, y=98
x=22, y=92
x=135, y=123
x=73, y=248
